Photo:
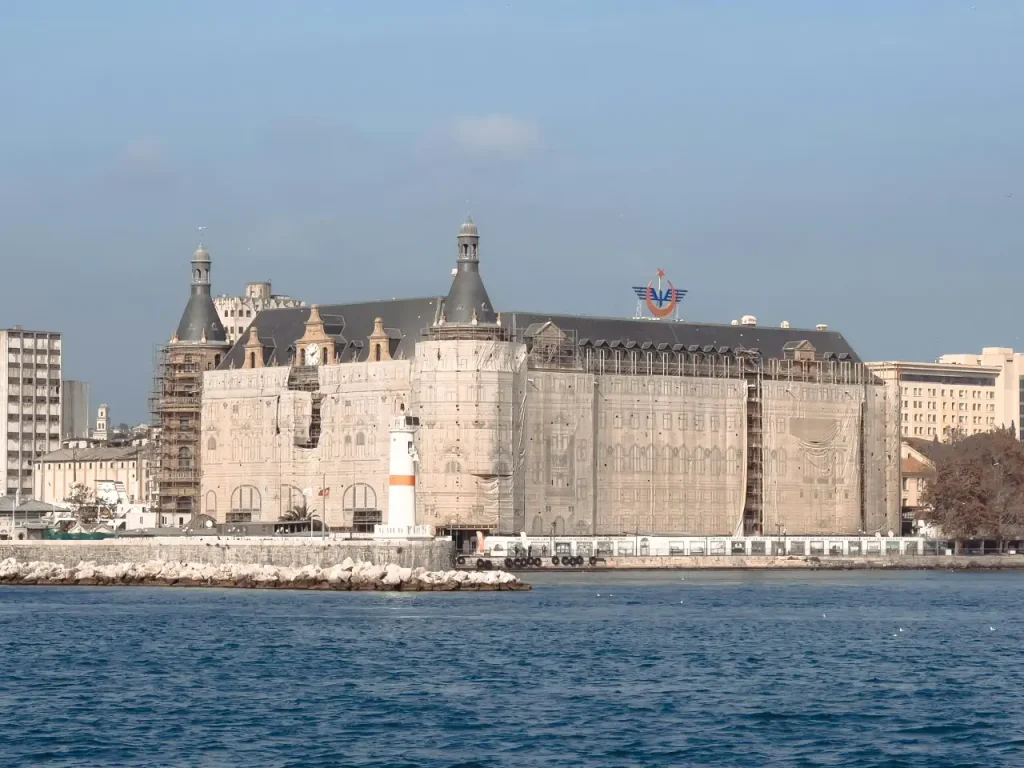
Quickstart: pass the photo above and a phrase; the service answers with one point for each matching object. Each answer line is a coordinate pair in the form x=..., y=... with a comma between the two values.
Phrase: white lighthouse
x=401, y=522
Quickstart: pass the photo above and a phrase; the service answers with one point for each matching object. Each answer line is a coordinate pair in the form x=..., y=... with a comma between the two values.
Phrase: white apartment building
x=972, y=393
x=237, y=312
x=30, y=385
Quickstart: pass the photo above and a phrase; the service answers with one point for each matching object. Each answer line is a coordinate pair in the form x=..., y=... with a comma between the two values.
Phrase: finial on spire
x=474, y=321
x=200, y=230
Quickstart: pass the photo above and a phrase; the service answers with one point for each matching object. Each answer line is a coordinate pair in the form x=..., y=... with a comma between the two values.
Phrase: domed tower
x=200, y=322
x=198, y=345
x=467, y=310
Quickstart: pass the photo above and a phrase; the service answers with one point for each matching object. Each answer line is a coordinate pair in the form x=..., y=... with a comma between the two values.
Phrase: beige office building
x=972, y=393
x=237, y=312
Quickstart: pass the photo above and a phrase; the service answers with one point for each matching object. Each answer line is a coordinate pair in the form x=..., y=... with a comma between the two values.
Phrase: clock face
x=313, y=355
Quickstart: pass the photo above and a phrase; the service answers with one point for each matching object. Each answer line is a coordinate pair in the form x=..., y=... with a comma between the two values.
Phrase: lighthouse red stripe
x=402, y=480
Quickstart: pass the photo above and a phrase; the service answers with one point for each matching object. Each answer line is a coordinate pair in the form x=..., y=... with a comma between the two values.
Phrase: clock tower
x=315, y=347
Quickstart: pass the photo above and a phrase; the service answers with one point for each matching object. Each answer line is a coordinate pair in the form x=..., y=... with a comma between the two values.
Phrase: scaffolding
x=175, y=409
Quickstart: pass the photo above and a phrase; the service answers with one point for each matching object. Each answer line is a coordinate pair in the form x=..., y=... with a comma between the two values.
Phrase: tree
x=978, y=488
x=86, y=506
x=300, y=511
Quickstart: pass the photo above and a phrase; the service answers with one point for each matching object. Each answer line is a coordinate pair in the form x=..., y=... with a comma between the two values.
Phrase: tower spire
x=200, y=322
x=467, y=303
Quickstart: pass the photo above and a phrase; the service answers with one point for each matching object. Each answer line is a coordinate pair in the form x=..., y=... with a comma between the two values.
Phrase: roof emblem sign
x=662, y=300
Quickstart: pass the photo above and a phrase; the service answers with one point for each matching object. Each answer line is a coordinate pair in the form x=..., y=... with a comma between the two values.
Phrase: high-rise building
x=197, y=345
x=237, y=312
x=30, y=385
x=958, y=393
x=74, y=409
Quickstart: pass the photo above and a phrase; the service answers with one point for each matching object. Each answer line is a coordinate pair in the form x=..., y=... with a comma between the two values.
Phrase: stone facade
x=533, y=429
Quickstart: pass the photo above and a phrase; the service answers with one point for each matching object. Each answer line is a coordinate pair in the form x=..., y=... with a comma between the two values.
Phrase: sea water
x=703, y=669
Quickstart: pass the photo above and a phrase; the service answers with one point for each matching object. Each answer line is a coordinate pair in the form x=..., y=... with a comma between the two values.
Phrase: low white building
x=125, y=468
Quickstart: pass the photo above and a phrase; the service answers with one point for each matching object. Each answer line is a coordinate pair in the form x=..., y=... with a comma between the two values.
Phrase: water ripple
x=860, y=669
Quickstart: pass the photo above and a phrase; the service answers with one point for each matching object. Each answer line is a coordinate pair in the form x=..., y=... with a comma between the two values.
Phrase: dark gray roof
x=99, y=453
x=200, y=315
x=352, y=323
x=349, y=324
x=467, y=295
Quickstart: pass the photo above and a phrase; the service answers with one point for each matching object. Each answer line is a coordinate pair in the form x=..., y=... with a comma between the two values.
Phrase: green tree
x=300, y=511
x=86, y=506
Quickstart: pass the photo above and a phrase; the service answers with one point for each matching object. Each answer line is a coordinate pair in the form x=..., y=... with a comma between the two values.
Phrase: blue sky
x=857, y=164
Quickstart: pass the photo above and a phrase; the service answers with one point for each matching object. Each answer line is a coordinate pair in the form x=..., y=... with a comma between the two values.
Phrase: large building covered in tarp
x=549, y=423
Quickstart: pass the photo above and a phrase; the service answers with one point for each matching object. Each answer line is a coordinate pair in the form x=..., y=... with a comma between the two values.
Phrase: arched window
x=348, y=446
x=216, y=360
x=634, y=458
x=252, y=359
x=359, y=503
x=558, y=526
x=702, y=460
x=732, y=460
x=452, y=467
x=676, y=465
x=246, y=504
x=211, y=504
x=360, y=445
x=537, y=526
x=291, y=498
x=211, y=444
x=184, y=458
x=716, y=462
x=687, y=461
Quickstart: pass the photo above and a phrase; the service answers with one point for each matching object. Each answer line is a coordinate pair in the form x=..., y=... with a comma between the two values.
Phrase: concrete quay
x=790, y=562
x=434, y=555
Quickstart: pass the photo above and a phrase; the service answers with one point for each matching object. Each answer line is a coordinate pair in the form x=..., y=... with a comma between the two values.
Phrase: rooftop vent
x=821, y=327
x=748, y=320
x=785, y=324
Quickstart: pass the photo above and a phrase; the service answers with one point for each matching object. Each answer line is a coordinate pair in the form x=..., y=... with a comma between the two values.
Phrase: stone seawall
x=345, y=576
x=292, y=553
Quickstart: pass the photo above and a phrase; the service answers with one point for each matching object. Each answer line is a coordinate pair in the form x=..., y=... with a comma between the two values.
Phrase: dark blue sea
x=720, y=669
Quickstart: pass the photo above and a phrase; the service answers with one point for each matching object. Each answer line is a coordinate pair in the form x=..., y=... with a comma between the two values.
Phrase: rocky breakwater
x=346, y=576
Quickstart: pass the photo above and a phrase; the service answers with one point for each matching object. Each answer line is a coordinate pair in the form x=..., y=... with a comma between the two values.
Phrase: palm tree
x=300, y=511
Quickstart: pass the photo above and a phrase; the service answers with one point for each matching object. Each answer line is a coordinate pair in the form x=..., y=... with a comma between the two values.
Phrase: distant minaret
x=102, y=431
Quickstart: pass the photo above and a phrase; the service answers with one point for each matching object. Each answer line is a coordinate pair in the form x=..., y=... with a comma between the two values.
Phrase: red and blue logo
x=661, y=301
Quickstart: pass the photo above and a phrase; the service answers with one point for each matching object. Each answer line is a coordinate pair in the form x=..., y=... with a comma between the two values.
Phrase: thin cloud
x=504, y=134
x=143, y=157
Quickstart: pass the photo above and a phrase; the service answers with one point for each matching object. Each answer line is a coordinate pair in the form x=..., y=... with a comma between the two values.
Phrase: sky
x=855, y=164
